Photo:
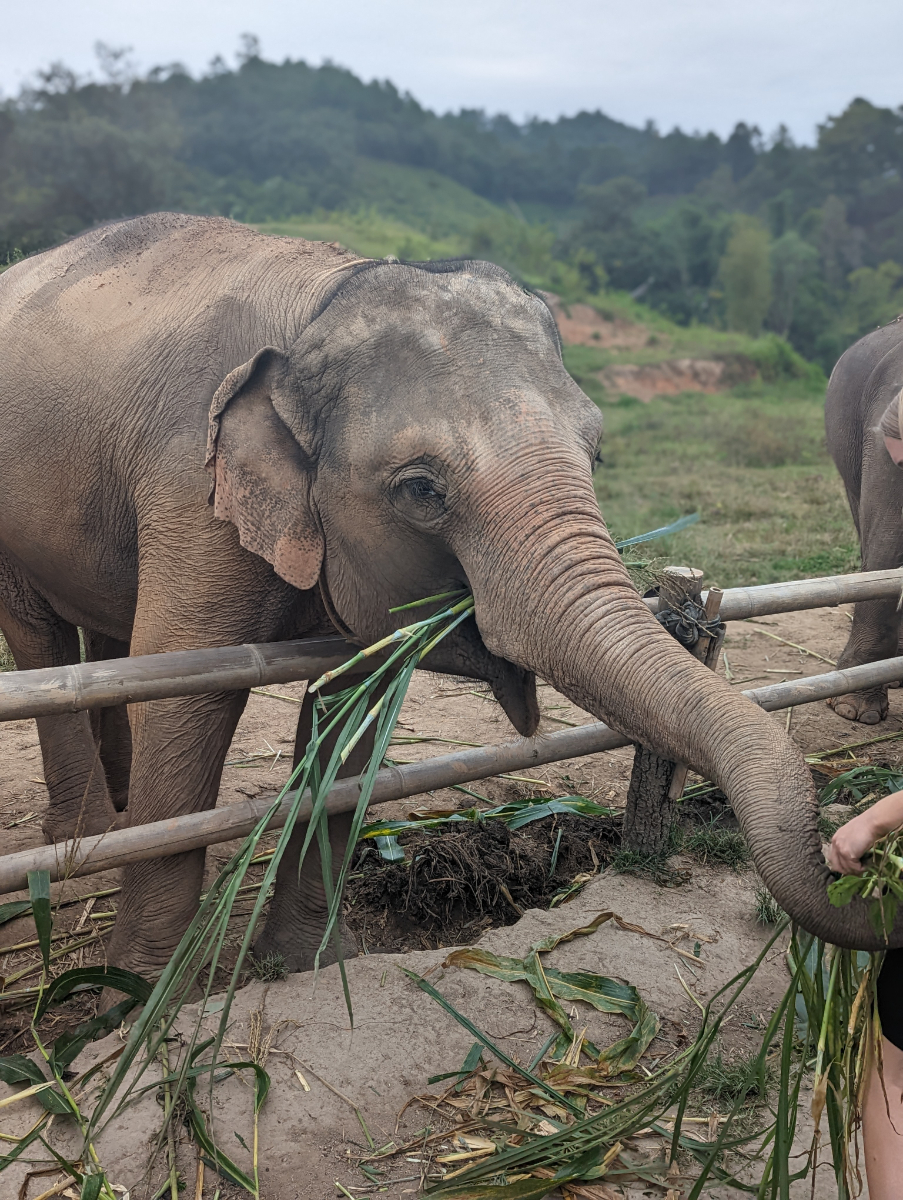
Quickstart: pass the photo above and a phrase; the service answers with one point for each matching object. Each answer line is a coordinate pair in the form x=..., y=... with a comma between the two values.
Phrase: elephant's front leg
x=874, y=635
x=179, y=747
x=298, y=911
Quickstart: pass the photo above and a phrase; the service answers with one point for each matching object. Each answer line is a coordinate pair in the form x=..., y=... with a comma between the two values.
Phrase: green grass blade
x=91, y=1187
x=654, y=534
x=429, y=600
x=39, y=898
x=81, y=978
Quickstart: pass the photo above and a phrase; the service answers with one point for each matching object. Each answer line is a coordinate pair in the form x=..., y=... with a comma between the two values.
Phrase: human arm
x=857, y=836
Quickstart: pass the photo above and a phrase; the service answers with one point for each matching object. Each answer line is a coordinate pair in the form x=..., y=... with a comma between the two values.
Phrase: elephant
x=865, y=382
x=210, y=437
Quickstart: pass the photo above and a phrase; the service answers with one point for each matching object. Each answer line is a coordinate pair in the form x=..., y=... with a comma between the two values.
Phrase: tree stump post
x=656, y=784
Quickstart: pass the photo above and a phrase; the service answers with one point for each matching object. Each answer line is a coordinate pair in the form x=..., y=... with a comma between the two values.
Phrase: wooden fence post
x=656, y=784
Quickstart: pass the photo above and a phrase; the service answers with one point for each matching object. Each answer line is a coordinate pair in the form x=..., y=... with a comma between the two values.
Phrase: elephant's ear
x=261, y=474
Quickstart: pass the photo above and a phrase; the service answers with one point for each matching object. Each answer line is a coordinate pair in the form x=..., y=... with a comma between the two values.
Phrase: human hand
x=850, y=843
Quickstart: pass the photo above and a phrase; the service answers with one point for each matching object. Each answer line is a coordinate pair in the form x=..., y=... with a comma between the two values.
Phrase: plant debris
x=456, y=882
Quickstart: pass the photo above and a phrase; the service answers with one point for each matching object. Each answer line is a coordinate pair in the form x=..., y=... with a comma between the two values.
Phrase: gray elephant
x=862, y=425
x=210, y=437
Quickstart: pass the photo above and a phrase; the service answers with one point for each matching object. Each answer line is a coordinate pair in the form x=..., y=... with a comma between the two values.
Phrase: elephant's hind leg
x=80, y=803
x=110, y=726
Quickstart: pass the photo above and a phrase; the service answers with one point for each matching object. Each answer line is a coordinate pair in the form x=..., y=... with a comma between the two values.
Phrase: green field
x=753, y=464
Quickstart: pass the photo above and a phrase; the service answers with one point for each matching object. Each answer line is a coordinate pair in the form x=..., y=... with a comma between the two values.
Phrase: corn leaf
x=16, y=1068
x=389, y=849
x=549, y=943
x=511, y=970
x=39, y=898
x=470, y=1064
x=522, y=813
x=22, y=1145
x=484, y=1040
x=13, y=909
x=536, y=978
x=626, y=1053
x=91, y=1187
x=550, y=986
x=604, y=994
x=68, y=1046
x=842, y=890
x=82, y=978
x=664, y=531
x=515, y=815
x=215, y=1158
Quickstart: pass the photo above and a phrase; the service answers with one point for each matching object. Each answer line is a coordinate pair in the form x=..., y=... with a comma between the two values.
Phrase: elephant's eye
x=422, y=490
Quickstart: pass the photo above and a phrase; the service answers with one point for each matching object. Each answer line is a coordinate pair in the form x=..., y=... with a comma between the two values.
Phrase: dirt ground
x=310, y=1136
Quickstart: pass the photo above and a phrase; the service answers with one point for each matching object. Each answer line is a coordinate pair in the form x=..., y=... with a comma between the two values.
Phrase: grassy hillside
x=369, y=233
x=411, y=212
x=751, y=458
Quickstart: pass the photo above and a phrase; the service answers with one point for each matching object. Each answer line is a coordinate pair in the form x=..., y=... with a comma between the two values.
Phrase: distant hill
x=742, y=233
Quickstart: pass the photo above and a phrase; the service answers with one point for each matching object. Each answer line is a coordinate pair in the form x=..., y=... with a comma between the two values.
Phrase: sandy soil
x=647, y=381
x=400, y=1037
x=581, y=325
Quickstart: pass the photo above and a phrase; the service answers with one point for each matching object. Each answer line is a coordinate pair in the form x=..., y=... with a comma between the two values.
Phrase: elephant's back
x=149, y=315
x=865, y=379
x=132, y=279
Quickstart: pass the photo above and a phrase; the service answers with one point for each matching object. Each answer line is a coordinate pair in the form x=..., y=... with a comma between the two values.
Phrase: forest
x=750, y=233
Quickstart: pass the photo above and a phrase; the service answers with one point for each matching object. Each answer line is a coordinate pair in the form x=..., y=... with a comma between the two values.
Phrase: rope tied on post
x=688, y=622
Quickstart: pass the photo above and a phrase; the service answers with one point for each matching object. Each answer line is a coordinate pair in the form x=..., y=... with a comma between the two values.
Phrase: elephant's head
x=422, y=434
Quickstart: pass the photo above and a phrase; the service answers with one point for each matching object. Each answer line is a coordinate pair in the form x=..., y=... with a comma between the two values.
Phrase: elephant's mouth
x=465, y=653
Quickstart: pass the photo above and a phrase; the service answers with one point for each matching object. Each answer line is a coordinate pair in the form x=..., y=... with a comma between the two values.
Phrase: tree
x=874, y=298
x=746, y=275
x=793, y=260
x=838, y=242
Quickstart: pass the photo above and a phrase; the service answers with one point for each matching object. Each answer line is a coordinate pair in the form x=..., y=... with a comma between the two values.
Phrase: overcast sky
x=700, y=64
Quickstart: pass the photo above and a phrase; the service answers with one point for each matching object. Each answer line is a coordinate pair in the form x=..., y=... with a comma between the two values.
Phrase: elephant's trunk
x=558, y=602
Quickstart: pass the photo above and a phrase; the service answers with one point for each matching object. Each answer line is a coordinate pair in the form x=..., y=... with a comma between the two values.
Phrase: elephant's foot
x=299, y=951
x=868, y=707
x=65, y=825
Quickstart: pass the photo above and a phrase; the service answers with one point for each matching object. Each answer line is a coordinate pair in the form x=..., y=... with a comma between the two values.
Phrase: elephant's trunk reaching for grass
x=563, y=607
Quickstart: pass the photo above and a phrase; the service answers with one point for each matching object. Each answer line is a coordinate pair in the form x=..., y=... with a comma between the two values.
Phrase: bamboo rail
x=113, y=681
x=825, y=592
x=162, y=838
x=54, y=690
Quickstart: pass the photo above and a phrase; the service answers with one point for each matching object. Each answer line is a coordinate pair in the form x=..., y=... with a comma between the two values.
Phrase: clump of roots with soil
x=458, y=881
